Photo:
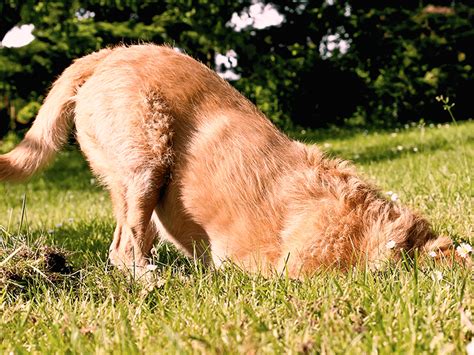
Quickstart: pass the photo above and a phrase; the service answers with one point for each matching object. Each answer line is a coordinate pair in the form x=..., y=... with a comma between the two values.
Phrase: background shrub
x=397, y=57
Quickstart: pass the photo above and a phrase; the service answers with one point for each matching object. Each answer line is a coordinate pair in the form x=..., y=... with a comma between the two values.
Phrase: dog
x=187, y=157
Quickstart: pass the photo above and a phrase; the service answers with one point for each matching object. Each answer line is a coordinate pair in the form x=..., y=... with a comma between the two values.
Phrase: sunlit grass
x=194, y=309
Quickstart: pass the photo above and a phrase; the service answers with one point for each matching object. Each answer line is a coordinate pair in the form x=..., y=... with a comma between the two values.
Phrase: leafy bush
x=28, y=112
x=398, y=57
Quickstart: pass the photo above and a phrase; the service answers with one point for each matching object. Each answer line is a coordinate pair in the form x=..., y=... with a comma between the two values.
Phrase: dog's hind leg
x=135, y=233
x=138, y=189
x=130, y=150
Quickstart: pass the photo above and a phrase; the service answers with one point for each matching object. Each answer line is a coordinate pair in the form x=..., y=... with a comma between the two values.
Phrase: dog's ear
x=442, y=249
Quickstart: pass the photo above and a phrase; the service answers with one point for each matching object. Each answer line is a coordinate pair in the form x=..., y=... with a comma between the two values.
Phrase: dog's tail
x=52, y=125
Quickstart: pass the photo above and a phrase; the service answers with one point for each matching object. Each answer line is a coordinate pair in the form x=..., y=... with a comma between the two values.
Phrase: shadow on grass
x=69, y=171
x=383, y=152
x=89, y=244
x=88, y=241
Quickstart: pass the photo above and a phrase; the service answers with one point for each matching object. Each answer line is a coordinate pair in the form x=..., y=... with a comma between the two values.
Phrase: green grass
x=193, y=309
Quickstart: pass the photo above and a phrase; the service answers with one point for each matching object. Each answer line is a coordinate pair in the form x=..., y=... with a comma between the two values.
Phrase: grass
x=197, y=310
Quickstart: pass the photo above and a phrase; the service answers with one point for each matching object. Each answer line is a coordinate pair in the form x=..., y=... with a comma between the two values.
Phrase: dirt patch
x=23, y=266
x=55, y=261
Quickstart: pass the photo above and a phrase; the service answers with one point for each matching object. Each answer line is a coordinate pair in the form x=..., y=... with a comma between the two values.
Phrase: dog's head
x=337, y=218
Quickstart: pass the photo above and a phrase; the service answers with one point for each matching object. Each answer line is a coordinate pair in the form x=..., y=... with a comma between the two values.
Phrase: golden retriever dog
x=186, y=156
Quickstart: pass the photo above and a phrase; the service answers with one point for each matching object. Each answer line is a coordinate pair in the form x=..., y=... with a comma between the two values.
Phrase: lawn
x=193, y=309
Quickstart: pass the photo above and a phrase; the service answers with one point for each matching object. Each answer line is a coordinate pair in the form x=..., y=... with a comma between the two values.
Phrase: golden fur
x=186, y=155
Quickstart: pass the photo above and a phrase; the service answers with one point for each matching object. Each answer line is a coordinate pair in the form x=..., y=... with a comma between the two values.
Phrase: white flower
x=399, y=148
x=463, y=250
x=415, y=149
x=59, y=225
x=394, y=197
x=432, y=254
x=93, y=181
x=151, y=267
x=390, y=193
x=327, y=145
x=470, y=347
x=377, y=265
x=393, y=134
x=391, y=244
x=437, y=275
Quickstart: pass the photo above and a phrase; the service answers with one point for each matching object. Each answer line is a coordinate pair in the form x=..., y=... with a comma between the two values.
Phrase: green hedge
x=400, y=57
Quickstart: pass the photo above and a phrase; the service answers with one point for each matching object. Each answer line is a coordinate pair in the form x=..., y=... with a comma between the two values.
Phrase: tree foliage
x=400, y=56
